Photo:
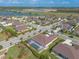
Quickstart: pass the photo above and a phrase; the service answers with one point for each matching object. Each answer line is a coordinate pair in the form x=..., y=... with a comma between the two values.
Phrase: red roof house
x=45, y=40
x=66, y=51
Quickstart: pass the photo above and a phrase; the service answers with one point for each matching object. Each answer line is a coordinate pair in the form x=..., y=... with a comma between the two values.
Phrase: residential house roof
x=66, y=25
x=44, y=39
x=68, y=51
x=19, y=26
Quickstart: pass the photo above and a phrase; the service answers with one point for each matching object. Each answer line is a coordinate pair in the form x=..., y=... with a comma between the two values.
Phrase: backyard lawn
x=20, y=52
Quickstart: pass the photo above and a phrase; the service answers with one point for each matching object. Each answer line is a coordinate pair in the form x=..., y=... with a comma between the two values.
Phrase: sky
x=40, y=3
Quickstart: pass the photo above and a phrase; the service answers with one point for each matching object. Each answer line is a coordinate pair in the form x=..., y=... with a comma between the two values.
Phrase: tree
x=10, y=57
x=44, y=56
x=1, y=47
x=45, y=32
x=11, y=31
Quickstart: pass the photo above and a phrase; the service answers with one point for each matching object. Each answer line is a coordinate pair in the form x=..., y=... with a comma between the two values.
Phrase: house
x=42, y=40
x=76, y=30
x=67, y=51
x=6, y=23
x=45, y=39
x=77, y=20
x=66, y=26
x=19, y=27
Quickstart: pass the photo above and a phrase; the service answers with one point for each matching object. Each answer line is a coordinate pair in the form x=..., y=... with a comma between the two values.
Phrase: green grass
x=58, y=14
x=11, y=30
x=46, y=54
x=15, y=52
x=1, y=47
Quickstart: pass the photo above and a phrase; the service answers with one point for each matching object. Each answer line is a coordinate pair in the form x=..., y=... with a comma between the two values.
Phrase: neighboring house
x=43, y=40
x=19, y=27
x=77, y=20
x=67, y=51
x=32, y=18
x=66, y=26
x=72, y=21
x=76, y=30
x=6, y=23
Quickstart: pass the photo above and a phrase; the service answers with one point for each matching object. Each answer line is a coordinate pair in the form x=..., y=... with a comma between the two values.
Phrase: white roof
x=69, y=42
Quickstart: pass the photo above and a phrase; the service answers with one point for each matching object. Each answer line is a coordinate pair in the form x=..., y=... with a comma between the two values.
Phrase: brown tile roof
x=68, y=51
x=19, y=26
x=43, y=39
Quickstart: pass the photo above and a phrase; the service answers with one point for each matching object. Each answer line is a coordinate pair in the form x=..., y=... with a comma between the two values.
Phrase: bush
x=44, y=56
x=1, y=47
x=11, y=31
